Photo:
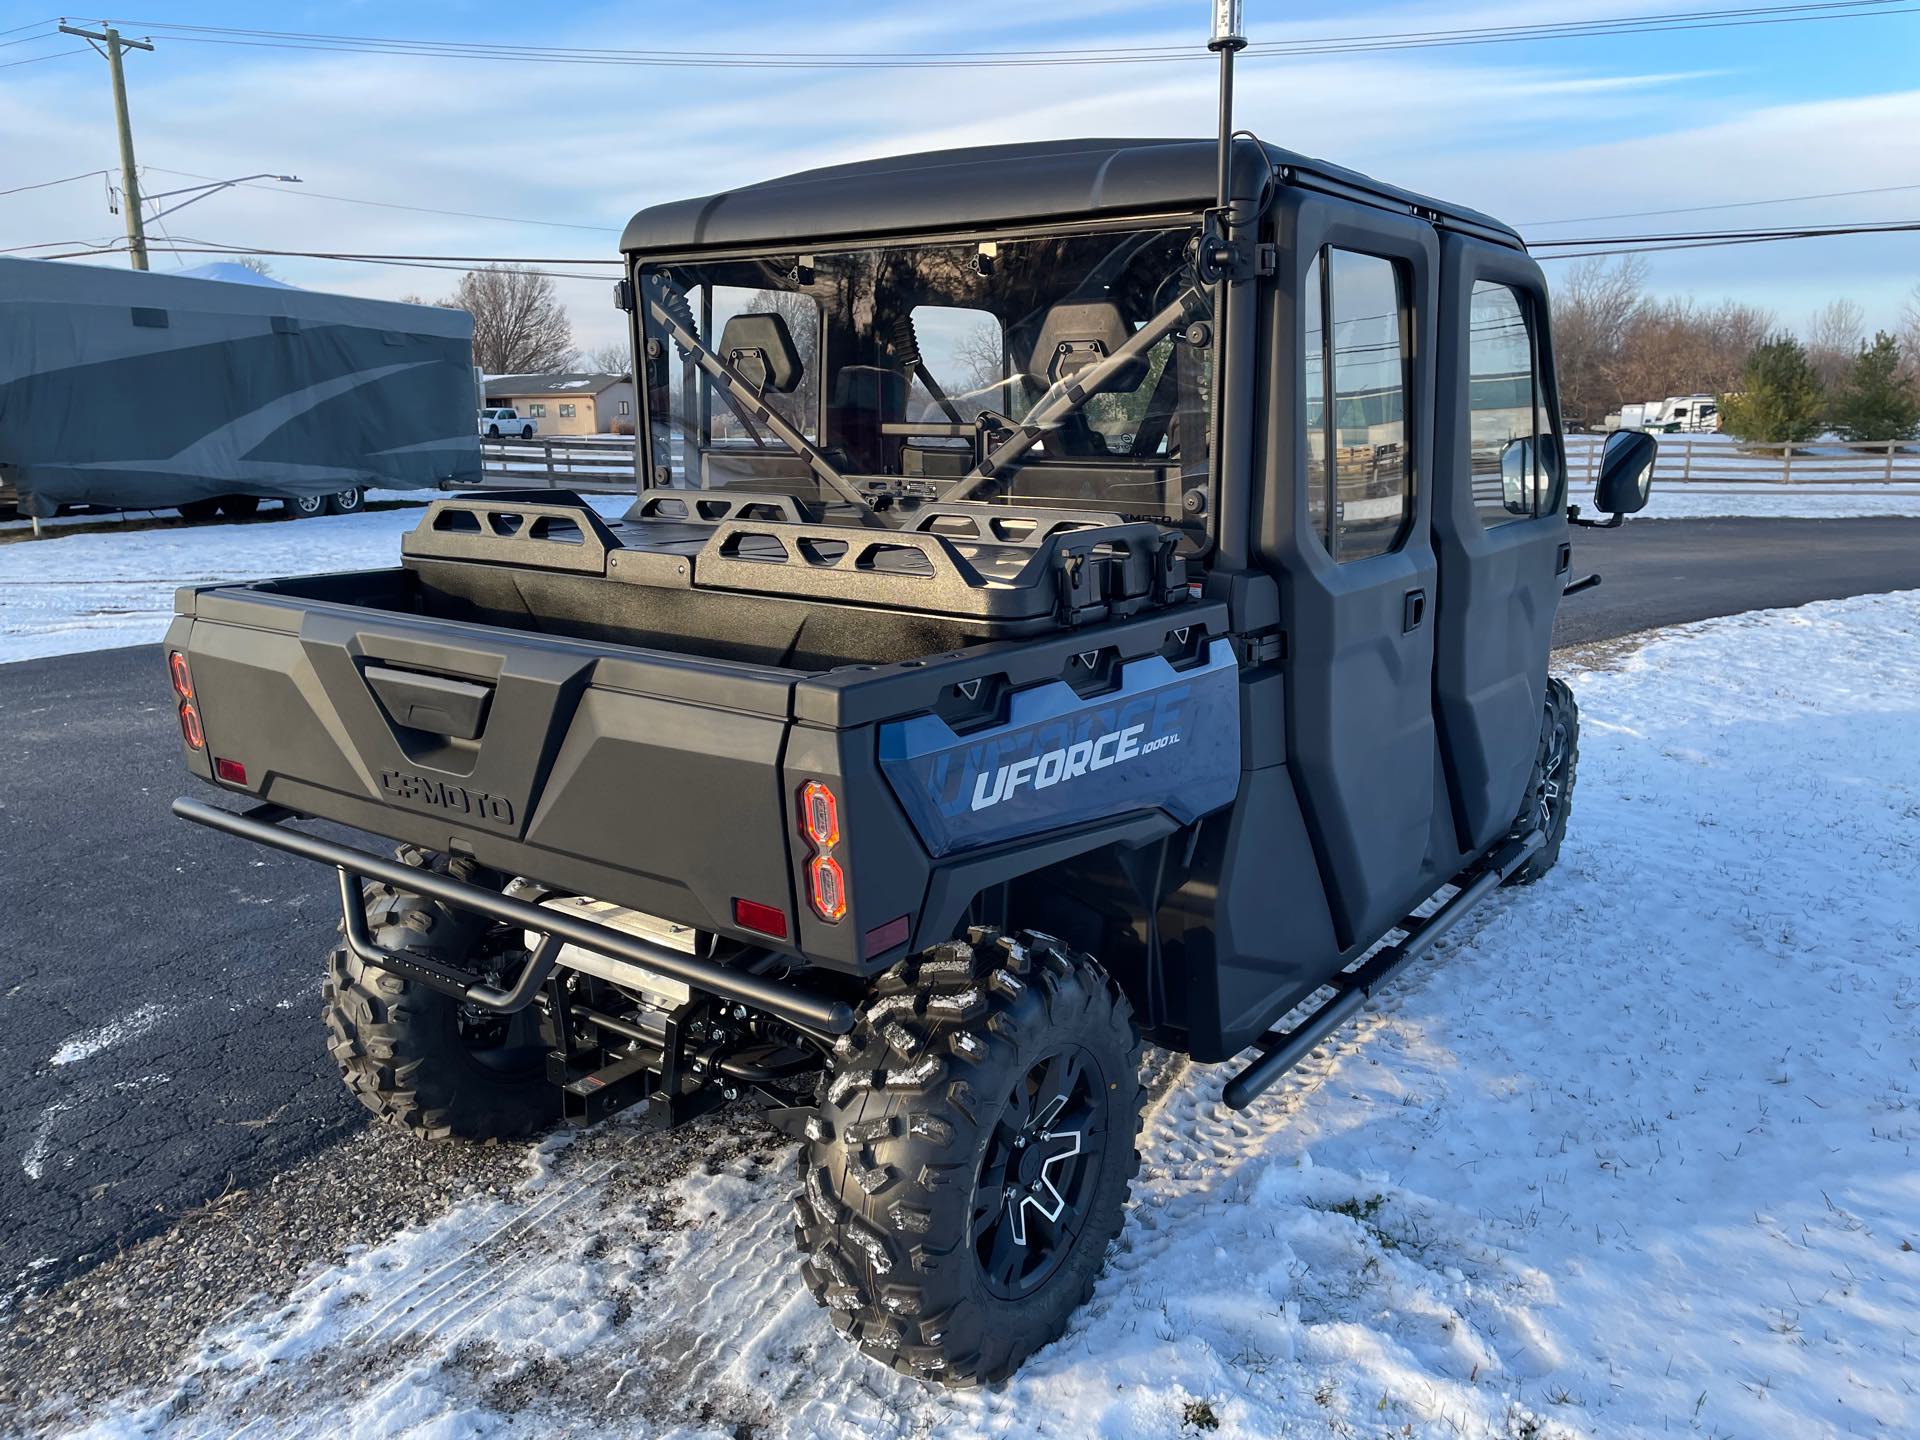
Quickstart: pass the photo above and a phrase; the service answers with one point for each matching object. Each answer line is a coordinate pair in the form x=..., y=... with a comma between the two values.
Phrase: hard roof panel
x=988, y=186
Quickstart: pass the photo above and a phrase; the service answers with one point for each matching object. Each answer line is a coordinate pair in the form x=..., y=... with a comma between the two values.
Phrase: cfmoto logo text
x=422, y=790
x=1051, y=767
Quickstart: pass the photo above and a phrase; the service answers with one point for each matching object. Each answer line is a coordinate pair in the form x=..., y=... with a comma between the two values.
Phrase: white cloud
x=590, y=145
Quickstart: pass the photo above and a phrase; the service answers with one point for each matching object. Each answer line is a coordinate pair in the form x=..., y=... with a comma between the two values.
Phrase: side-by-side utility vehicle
x=1065, y=606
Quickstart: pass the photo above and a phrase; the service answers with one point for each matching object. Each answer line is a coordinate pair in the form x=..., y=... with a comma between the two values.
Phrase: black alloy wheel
x=1030, y=1196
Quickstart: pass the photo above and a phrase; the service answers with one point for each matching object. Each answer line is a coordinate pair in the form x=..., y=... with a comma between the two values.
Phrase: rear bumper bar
x=797, y=1007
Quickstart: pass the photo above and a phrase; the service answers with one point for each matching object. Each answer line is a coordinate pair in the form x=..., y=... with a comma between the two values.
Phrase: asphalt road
x=1667, y=572
x=159, y=984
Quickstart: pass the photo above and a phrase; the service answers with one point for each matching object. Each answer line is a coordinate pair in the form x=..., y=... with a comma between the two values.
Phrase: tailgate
x=635, y=776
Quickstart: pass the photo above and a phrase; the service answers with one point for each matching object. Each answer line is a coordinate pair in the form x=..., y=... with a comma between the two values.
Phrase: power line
x=1626, y=244
x=36, y=59
x=394, y=205
x=64, y=180
x=1755, y=233
x=459, y=263
x=1662, y=246
x=1729, y=205
x=1326, y=45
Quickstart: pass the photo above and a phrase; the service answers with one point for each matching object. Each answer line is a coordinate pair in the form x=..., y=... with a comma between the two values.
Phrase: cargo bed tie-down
x=263, y=825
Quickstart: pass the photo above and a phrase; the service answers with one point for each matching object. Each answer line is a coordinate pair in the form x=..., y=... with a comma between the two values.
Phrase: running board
x=1284, y=1049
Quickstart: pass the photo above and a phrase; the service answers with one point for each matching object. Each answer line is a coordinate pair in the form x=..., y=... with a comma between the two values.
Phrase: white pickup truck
x=506, y=421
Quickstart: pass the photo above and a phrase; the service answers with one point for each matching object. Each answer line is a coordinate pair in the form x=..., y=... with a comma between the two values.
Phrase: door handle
x=1413, y=611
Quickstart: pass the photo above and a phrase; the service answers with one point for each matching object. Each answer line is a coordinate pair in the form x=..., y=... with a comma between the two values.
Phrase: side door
x=1346, y=532
x=1499, y=529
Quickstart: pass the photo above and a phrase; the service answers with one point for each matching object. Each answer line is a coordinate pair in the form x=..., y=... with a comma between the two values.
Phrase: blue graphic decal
x=1166, y=739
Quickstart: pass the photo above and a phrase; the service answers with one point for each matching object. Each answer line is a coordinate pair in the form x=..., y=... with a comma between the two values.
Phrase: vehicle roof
x=1001, y=184
x=561, y=383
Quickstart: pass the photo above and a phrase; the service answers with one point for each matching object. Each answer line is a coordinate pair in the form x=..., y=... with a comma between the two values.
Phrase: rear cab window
x=1357, y=374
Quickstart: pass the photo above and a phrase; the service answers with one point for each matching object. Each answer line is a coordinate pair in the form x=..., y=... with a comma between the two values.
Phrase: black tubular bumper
x=799, y=1007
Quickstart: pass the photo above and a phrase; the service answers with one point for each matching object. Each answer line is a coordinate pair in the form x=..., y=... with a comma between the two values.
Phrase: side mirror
x=1516, y=477
x=1626, y=473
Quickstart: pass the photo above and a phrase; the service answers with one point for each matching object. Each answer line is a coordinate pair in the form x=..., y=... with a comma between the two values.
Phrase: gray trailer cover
x=124, y=388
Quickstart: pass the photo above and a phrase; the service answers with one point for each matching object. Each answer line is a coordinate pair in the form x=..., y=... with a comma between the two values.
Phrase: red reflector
x=828, y=887
x=190, y=730
x=820, y=815
x=883, y=938
x=762, y=919
x=231, y=771
x=182, y=681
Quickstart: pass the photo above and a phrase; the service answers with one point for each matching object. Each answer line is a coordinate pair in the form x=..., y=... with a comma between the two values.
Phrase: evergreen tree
x=1877, y=400
x=1780, y=400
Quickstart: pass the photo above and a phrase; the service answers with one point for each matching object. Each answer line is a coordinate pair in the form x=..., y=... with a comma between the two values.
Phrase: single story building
x=568, y=404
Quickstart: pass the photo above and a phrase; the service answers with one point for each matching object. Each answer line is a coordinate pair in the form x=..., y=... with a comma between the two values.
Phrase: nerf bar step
x=798, y=1007
x=1285, y=1049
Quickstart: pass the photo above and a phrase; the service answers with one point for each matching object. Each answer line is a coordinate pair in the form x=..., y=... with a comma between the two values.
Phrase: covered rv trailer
x=139, y=390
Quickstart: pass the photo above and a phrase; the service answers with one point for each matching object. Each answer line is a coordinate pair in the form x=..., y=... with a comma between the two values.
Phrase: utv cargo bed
x=529, y=659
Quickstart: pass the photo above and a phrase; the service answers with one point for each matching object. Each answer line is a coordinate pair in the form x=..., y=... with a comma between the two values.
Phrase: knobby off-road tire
x=939, y=1110
x=1549, y=799
x=421, y=1059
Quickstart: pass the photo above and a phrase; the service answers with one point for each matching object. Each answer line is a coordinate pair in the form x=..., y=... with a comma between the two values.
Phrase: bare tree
x=255, y=263
x=981, y=354
x=1910, y=337
x=1592, y=309
x=519, y=324
x=1675, y=347
x=1833, y=340
x=614, y=358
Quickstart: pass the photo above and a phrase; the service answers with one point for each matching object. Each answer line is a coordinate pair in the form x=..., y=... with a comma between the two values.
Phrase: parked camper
x=129, y=389
x=1682, y=413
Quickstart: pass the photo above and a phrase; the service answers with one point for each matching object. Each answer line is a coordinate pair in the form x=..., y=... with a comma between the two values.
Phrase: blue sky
x=1532, y=132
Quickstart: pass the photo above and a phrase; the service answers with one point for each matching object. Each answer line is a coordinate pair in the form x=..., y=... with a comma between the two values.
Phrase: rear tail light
x=820, y=825
x=190, y=728
x=820, y=816
x=761, y=919
x=827, y=888
x=231, y=771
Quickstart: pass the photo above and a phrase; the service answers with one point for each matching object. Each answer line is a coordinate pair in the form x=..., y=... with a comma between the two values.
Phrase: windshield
x=1064, y=371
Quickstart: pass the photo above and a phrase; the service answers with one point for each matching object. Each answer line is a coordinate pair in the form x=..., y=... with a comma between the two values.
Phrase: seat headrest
x=760, y=347
x=1077, y=333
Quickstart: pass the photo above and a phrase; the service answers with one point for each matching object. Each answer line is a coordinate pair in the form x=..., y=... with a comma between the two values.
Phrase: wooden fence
x=607, y=465
x=1692, y=459
x=560, y=463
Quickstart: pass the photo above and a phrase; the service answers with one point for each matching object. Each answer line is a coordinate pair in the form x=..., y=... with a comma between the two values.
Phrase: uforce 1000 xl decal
x=1165, y=739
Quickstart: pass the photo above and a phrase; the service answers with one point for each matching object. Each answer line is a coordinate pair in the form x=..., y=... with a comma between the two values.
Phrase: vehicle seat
x=866, y=397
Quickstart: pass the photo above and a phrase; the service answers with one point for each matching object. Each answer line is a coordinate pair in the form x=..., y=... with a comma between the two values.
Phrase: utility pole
x=129, y=177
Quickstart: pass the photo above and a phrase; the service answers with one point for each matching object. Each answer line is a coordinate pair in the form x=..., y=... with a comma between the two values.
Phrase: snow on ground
x=114, y=585
x=1633, y=1156
x=108, y=585
x=1693, y=501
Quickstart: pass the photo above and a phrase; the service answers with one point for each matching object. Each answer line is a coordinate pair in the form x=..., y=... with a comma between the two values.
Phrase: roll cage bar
x=1064, y=397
